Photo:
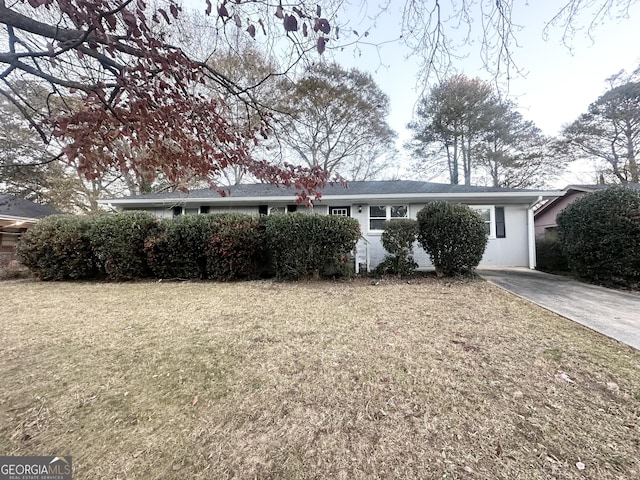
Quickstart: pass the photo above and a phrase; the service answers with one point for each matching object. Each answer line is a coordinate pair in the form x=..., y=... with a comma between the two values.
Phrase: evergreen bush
x=118, y=241
x=303, y=245
x=178, y=247
x=549, y=255
x=223, y=246
x=398, y=239
x=236, y=247
x=58, y=247
x=453, y=235
x=600, y=235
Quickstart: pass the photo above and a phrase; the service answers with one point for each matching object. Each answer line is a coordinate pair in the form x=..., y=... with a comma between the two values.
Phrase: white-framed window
x=487, y=212
x=378, y=214
x=340, y=211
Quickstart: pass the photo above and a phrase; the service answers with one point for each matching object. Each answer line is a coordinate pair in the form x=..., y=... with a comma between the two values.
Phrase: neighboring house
x=508, y=213
x=16, y=216
x=545, y=216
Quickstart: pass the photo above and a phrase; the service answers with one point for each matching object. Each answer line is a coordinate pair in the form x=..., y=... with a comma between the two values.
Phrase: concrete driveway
x=610, y=312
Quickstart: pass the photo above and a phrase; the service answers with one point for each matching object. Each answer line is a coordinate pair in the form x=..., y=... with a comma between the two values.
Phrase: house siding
x=511, y=251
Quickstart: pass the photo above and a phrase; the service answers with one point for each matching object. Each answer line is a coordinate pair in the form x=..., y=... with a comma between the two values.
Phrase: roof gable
x=571, y=190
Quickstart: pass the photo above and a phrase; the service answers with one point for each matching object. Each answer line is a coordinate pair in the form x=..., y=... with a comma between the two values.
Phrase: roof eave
x=364, y=198
x=15, y=218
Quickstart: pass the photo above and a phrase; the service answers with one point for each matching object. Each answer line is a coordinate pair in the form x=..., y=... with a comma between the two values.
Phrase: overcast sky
x=559, y=83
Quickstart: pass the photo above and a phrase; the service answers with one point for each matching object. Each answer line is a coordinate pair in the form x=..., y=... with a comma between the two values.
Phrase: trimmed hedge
x=453, y=235
x=219, y=247
x=600, y=235
x=237, y=246
x=133, y=245
x=305, y=245
x=398, y=239
x=178, y=247
x=58, y=247
x=118, y=242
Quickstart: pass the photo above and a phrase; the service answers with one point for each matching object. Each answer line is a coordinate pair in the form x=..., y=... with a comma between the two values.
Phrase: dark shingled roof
x=633, y=186
x=382, y=187
x=19, y=207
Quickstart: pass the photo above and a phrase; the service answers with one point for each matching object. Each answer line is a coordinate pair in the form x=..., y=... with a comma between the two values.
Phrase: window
x=204, y=209
x=485, y=213
x=191, y=211
x=263, y=209
x=493, y=220
x=292, y=208
x=277, y=210
x=177, y=211
x=378, y=214
x=340, y=211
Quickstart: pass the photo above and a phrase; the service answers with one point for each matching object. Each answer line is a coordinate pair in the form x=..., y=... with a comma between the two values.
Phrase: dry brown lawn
x=428, y=380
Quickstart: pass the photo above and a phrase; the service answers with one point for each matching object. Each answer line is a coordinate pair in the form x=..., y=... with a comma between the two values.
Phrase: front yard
x=430, y=380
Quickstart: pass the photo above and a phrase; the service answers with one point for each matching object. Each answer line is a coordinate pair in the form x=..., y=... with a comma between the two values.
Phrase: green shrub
x=178, y=247
x=236, y=246
x=310, y=245
x=118, y=241
x=398, y=239
x=600, y=235
x=453, y=235
x=58, y=247
x=220, y=247
x=549, y=255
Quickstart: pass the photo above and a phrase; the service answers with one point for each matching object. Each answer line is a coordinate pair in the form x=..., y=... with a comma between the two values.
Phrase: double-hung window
x=493, y=217
x=378, y=214
x=486, y=213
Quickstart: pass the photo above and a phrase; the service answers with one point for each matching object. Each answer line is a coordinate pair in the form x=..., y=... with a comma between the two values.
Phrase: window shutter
x=500, y=227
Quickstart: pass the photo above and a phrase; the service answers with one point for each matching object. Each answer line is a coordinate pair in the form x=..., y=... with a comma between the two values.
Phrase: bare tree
x=439, y=32
x=335, y=119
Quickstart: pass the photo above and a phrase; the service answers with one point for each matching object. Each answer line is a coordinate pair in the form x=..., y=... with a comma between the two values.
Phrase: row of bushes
x=133, y=245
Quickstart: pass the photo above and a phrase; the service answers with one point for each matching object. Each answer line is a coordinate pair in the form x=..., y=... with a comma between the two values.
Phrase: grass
x=429, y=380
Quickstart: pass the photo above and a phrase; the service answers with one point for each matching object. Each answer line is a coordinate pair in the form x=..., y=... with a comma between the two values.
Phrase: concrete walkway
x=610, y=312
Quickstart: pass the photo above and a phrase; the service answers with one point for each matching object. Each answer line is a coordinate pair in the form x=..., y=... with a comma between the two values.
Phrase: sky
x=557, y=85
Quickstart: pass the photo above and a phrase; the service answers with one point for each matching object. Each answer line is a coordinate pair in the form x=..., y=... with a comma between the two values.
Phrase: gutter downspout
x=531, y=234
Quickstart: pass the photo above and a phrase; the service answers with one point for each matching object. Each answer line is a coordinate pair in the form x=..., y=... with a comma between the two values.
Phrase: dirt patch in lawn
x=429, y=379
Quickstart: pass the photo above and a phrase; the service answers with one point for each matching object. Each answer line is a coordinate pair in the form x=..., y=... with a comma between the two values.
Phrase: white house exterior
x=508, y=212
